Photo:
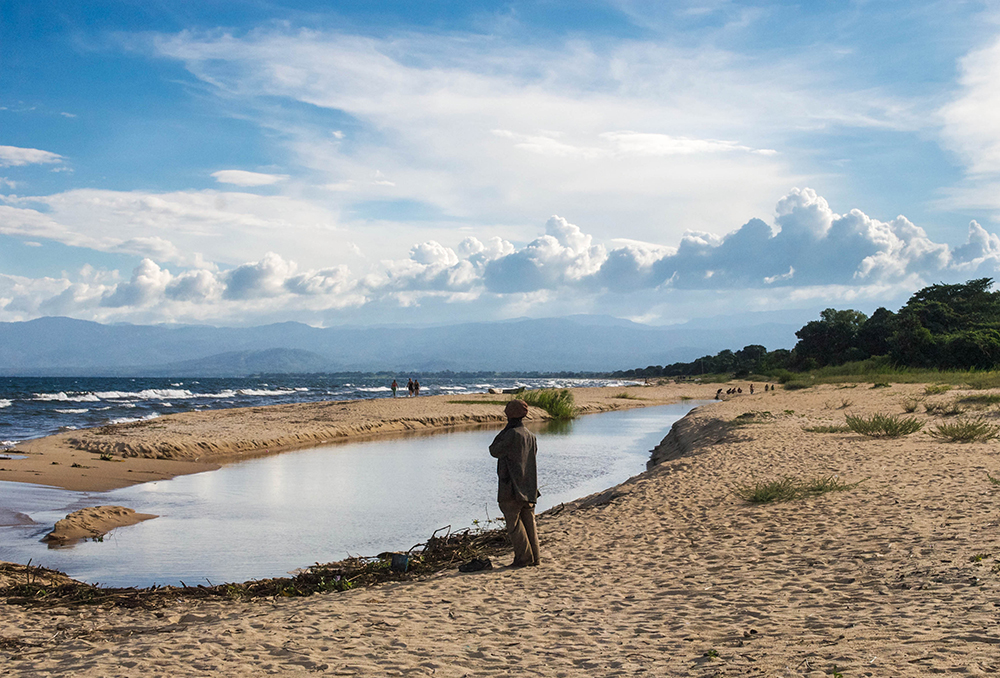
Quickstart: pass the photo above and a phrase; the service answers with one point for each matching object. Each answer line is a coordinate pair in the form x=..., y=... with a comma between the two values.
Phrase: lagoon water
x=267, y=516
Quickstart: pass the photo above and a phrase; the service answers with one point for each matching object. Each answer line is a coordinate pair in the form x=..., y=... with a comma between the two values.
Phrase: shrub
x=936, y=389
x=557, y=402
x=910, y=404
x=966, y=430
x=883, y=425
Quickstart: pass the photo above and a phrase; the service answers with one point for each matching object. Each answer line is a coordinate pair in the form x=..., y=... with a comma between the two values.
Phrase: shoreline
x=669, y=573
x=114, y=456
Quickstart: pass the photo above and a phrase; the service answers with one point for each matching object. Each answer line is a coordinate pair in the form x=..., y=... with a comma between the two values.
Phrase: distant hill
x=63, y=346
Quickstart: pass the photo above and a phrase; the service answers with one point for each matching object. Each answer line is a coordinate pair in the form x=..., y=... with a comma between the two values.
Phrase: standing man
x=515, y=448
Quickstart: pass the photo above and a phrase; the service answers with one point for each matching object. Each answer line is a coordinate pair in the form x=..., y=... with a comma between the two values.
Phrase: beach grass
x=993, y=481
x=788, y=489
x=881, y=425
x=557, y=402
x=969, y=430
x=827, y=429
x=625, y=395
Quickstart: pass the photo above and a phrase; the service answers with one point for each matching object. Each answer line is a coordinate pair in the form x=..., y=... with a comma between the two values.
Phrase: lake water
x=267, y=516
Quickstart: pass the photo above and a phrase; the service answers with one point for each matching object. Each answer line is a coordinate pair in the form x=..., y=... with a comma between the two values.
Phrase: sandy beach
x=668, y=574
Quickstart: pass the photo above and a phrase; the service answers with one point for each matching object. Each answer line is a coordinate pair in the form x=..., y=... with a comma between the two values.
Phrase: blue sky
x=417, y=162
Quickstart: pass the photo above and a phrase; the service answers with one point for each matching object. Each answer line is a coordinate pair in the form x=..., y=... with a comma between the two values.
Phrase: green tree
x=831, y=340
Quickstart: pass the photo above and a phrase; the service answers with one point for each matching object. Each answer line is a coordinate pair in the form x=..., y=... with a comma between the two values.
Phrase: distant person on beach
x=416, y=387
x=515, y=448
x=409, y=386
x=394, y=387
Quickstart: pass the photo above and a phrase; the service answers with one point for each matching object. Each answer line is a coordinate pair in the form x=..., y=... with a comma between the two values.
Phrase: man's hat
x=516, y=409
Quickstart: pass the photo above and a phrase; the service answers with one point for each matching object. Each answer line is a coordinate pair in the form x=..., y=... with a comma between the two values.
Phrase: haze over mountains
x=63, y=346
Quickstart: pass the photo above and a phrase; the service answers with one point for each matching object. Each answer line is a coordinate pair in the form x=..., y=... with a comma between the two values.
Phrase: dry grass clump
x=970, y=430
x=881, y=425
x=625, y=395
x=951, y=409
x=788, y=489
x=936, y=389
x=910, y=404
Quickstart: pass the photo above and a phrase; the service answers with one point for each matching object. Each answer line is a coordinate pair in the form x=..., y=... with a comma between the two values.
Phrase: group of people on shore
x=412, y=385
x=738, y=390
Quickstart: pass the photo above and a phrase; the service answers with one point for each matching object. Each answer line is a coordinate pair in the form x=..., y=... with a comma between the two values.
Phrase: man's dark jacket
x=515, y=448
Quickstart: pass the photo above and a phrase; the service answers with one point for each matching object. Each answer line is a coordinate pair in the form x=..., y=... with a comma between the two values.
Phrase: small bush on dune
x=944, y=409
x=910, y=404
x=557, y=402
x=883, y=425
x=966, y=431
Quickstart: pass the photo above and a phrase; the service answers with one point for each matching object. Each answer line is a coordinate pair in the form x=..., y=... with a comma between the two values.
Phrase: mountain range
x=55, y=346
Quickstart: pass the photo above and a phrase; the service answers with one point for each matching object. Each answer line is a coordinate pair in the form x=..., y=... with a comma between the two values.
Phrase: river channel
x=265, y=517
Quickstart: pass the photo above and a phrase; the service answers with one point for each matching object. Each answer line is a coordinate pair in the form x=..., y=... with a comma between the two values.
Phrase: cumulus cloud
x=564, y=255
x=12, y=156
x=244, y=178
x=808, y=252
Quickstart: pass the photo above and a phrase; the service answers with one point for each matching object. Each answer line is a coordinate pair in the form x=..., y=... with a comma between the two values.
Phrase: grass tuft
x=883, y=425
x=625, y=395
x=936, y=389
x=827, y=429
x=557, y=402
x=995, y=481
x=966, y=430
x=910, y=404
x=788, y=488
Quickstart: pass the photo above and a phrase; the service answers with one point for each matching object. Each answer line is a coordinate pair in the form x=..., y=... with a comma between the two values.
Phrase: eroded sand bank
x=674, y=576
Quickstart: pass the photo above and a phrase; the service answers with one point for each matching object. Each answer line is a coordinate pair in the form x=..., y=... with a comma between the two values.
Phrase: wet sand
x=668, y=574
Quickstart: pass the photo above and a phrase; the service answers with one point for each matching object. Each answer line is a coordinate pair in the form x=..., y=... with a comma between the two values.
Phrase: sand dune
x=671, y=574
x=94, y=522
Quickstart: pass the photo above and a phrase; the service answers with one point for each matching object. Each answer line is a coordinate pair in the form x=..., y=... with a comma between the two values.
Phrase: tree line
x=948, y=327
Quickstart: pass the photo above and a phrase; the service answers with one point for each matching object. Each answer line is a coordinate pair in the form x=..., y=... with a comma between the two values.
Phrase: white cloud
x=971, y=122
x=12, y=156
x=244, y=178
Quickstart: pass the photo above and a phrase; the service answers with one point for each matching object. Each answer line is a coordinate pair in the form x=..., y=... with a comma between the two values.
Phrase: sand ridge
x=118, y=455
x=671, y=574
x=94, y=522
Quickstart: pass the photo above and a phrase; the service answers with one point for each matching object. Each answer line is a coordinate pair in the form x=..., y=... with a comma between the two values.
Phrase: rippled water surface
x=267, y=516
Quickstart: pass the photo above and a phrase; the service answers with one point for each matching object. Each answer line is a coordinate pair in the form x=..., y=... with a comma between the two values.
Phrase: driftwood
x=41, y=587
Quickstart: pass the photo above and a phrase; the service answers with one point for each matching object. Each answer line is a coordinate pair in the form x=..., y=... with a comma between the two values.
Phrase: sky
x=244, y=162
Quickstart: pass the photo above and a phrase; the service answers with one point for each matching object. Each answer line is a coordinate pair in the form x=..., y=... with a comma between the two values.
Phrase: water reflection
x=264, y=517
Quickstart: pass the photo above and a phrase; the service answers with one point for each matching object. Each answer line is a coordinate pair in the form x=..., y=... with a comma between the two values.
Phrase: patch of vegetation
x=106, y=456
x=751, y=417
x=981, y=399
x=881, y=384
x=881, y=425
x=979, y=557
x=966, y=430
x=827, y=429
x=557, y=402
x=797, y=385
x=845, y=403
x=788, y=488
x=995, y=481
x=910, y=404
x=936, y=389
x=952, y=409
x=625, y=395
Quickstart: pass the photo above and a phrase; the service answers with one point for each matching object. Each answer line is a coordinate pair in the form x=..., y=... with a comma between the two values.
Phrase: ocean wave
x=4, y=403
x=83, y=411
x=7, y=444
x=63, y=397
x=132, y=420
x=263, y=392
x=373, y=389
x=147, y=394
